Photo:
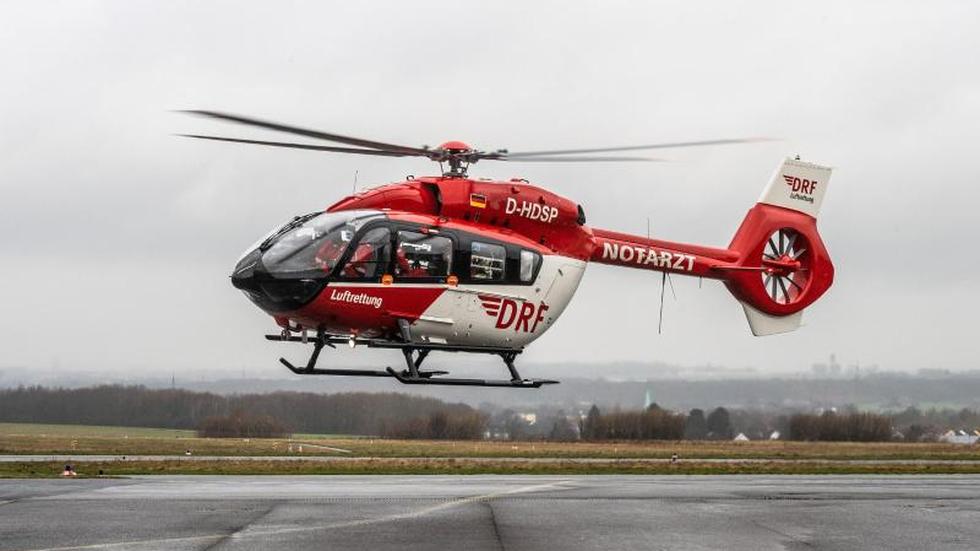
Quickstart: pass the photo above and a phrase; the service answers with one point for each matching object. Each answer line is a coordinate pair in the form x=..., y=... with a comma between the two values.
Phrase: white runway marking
x=328, y=448
x=402, y=516
x=131, y=544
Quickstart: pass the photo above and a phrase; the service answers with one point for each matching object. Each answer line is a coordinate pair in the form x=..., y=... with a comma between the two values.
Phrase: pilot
x=409, y=267
x=327, y=255
x=360, y=263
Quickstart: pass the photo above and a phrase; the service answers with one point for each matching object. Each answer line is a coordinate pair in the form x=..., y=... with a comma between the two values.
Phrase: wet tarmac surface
x=492, y=512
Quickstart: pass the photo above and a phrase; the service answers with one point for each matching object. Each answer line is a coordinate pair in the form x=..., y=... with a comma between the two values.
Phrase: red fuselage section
x=516, y=207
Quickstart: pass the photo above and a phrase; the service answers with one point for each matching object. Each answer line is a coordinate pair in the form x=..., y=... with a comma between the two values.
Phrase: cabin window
x=370, y=256
x=487, y=261
x=421, y=255
x=529, y=265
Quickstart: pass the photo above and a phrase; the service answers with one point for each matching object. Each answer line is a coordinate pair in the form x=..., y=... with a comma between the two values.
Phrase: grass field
x=414, y=466
x=72, y=431
x=403, y=456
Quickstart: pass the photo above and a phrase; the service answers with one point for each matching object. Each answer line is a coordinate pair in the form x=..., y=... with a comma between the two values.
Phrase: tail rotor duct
x=785, y=266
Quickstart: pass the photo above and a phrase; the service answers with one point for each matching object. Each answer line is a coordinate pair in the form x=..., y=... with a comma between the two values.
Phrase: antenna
x=664, y=281
x=663, y=286
x=353, y=188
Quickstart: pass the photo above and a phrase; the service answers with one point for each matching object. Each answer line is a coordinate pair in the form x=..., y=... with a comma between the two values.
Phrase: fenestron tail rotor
x=784, y=273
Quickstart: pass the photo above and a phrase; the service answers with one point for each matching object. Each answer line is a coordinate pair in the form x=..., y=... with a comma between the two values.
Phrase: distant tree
x=137, y=406
x=562, y=429
x=517, y=428
x=415, y=428
x=840, y=427
x=648, y=424
x=916, y=433
x=695, y=427
x=467, y=426
x=590, y=426
x=909, y=416
x=438, y=427
x=660, y=424
x=719, y=424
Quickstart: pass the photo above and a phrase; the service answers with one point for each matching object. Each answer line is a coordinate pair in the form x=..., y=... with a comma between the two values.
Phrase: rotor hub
x=456, y=146
x=458, y=155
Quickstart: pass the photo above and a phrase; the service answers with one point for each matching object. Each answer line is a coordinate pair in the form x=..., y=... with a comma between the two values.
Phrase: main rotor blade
x=637, y=147
x=571, y=159
x=299, y=146
x=406, y=150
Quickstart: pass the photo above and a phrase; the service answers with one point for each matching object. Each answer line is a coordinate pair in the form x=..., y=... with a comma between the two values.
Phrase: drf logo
x=801, y=185
x=523, y=317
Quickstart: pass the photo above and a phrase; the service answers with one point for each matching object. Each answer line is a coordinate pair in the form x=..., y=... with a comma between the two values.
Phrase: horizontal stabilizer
x=763, y=324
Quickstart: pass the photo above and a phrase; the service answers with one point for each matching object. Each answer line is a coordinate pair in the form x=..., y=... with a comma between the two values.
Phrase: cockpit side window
x=309, y=248
x=370, y=256
x=483, y=260
x=312, y=246
x=530, y=261
x=420, y=255
x=487, y=261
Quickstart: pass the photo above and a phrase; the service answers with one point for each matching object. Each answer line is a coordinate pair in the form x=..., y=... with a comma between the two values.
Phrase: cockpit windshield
x=312, y=245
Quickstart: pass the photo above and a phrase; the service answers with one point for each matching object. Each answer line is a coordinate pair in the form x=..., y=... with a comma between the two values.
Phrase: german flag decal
x=478, y=200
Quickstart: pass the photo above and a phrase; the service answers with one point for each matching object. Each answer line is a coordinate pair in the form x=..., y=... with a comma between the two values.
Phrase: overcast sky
x=117, y=239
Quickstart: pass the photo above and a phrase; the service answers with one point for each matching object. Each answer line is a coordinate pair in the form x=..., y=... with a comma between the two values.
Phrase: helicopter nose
x=269, y=292
x=243, y=276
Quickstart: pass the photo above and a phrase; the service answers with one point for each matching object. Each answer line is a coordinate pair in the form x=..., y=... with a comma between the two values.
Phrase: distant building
x=775, y=435
x=740, y=437
x=529, y=418
x=959, y=437
x=830, y=369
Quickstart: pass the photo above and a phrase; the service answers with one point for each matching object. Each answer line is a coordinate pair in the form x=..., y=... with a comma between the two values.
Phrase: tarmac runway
x=492, y=512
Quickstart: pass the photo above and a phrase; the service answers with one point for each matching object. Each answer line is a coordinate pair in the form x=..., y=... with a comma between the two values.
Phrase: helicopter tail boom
x=776, y=265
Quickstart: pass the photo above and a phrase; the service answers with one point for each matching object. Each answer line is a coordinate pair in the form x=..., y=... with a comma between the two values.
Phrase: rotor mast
x=458, y=155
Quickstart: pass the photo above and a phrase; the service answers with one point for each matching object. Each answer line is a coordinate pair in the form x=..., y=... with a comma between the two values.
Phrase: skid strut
x=415, y=354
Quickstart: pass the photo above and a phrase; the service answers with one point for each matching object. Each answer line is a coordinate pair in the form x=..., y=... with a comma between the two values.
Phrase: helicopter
x=455, y=264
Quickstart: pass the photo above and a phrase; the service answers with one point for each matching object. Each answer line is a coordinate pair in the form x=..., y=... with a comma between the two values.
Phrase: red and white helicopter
x=456, y=264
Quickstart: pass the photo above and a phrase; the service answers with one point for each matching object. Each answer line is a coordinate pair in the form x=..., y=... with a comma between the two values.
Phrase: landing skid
x=415, y=354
